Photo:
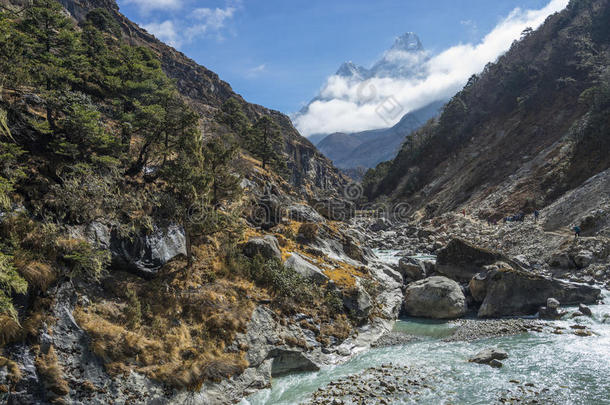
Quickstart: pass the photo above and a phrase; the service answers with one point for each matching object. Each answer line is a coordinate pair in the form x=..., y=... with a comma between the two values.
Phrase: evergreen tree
x=219, y=158
x=265, y=142
x=53, y=50
x=232, y=115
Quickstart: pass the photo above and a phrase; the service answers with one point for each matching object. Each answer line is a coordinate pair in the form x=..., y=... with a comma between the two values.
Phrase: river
x=568, y=369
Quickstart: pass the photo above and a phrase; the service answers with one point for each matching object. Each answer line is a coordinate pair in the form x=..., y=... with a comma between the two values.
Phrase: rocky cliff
x=530, y=127
x=206, y=92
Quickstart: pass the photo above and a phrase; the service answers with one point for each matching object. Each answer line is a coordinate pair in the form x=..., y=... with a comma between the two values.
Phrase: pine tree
x=232, y=115
x=219, y=158
x=265, y=142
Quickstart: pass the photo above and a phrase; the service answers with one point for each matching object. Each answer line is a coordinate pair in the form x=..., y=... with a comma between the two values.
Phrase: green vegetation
x=91, y=128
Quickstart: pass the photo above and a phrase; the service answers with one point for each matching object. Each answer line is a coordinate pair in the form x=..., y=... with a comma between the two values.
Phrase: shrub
x=82, y=259
x=52, y=375
x=309, y=231
x=10, y=282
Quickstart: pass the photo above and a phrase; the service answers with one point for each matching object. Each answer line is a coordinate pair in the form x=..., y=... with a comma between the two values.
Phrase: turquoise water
x=574, y=370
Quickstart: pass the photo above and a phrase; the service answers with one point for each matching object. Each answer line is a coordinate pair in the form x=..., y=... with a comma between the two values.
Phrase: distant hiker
x=576, y=230
x=536, y=215
x=464, y=213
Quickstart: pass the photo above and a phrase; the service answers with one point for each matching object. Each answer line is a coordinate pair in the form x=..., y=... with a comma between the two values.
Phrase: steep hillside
x=532, y=126
x=206, y=92
x=369, y=148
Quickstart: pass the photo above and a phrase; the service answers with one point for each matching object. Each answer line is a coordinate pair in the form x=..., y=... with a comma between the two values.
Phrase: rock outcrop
x=461, y=261
x=267, y=246
x=305, y=269
x=435, y=297
x=512, y=292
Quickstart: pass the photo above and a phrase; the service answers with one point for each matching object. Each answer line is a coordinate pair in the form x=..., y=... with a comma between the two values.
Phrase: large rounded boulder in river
x=435, y=297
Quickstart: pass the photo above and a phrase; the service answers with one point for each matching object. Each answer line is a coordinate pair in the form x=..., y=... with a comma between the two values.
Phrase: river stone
x=306, y=269
x=290, y=361
x=488, y=355
x=382, y=224
x=435, y=297
x=585, y=310
x=513, y=292
x=267, y=246
x=552, y=303
x=561, y=260
x=460, y=260
x=478, y=286
x=411, y=268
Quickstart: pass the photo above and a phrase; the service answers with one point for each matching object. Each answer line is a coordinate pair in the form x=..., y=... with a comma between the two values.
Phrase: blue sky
x=279, y=53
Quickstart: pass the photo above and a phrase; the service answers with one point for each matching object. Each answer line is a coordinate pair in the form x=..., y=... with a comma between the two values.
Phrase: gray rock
x=478, y=286
x=335, y=209
x=583, y=259
x=145, y=254
x=306, y=269
x=552, y=303
x=358, y=302
x=382, y=224
x=561, y=260
x=290, y=361
x=411, y=269
x=461, y=261
x=267, y=246
x=512, y=292
x=488, y=355
x=435, y=297
x=551, y=314
x=495, y=363
x=585, y=310
x=303, y=213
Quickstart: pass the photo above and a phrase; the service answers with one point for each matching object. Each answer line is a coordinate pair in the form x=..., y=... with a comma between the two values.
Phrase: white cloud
x=146, y=6
x=352, y=106
x=255, y=71
x=166, y=32
x=198, y=22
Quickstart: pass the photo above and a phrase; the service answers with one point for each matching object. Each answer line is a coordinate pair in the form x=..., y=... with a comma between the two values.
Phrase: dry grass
x=187, y=324
x=52, y=375
x=38, y=274
x=10, y=330
x=14, y=373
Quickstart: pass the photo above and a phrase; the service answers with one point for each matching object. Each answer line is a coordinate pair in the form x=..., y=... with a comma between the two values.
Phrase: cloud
x=146, y=6
x=255, y=71
x=348, y=105
x=198, y=23
x=166, y=32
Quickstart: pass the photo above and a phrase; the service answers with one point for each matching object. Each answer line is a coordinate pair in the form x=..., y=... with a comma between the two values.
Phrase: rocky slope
x=206, y=92
x=521, y=134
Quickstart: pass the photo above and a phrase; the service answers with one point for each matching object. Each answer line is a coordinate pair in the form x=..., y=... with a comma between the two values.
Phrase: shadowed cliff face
x=206, y=92
x=529, y=128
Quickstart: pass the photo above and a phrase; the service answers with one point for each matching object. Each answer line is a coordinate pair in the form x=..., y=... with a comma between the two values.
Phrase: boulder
x=411, y=269
x=266, y=212
x=267, y=246
x=585, y=310
x=303, y=213
x=489, y=356
x=478, y=286
x=334, y=209
x=551, y=314
x=381, y=224
x=358, y=302
x=561, y=260
x=513, y=292
x=461, y=261
x=583, y=259
x=306, y=269
x=290, y=361
x=145, y=254
x=552, y=303
x=435, y=297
